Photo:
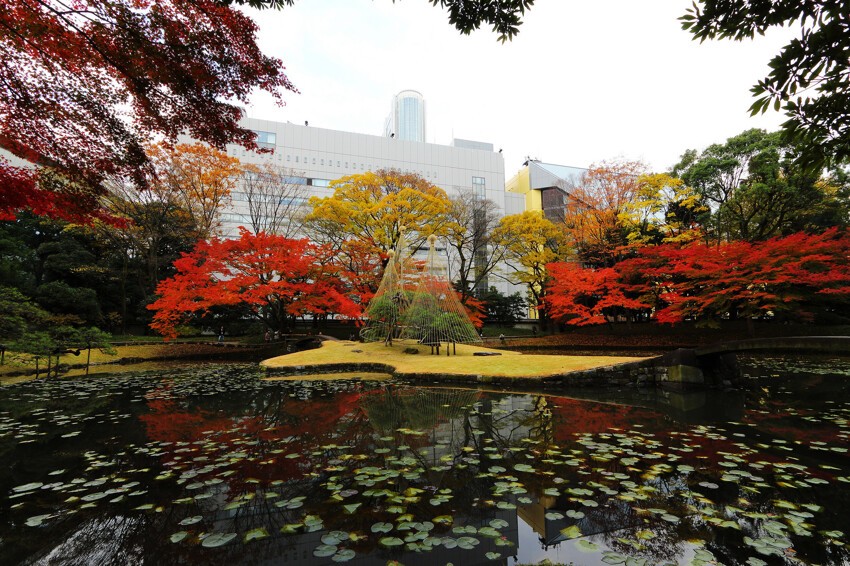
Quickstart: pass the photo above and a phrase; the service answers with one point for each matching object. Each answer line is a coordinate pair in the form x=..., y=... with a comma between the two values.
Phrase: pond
x=211, y=465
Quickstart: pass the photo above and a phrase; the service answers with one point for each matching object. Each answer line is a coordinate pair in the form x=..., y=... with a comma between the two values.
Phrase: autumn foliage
x=582, y=296
x=277, y=279
x=85, y=85
x=793, y=276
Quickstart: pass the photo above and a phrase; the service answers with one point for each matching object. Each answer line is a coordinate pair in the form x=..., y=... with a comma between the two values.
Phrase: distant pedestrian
x=502, y=338
x=221, y=334
x=268, y=336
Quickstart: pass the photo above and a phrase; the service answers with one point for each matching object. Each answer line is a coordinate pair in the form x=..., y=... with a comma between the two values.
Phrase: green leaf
x=571, y=532
x=256, y=534
x=343, y=555
x=217, y=539
x=382, y=527
x=324, y=550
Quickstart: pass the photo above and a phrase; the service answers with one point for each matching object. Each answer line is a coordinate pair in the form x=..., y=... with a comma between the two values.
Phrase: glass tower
x=407, y=117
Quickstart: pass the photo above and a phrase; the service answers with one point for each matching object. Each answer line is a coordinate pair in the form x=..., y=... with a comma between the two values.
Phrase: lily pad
x=325, y=550
x=255, y=534
x=343, y=555
x=215, y=540
x=571, y=532
x=586, y=546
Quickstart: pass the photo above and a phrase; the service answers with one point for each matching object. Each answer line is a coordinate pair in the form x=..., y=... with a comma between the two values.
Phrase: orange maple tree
x=199, y=177
x=276, y=278
x=595, y=210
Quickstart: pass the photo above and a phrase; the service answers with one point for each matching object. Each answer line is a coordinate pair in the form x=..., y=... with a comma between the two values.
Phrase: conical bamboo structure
x=383, y=315
x=417, y=303
x=435, y=314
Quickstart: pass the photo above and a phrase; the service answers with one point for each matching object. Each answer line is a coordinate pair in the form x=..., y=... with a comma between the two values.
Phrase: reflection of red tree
x=572, y=417
x=304, y=423
x=166, y=421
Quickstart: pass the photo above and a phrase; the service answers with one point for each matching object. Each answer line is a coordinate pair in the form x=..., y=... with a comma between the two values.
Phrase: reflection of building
x=406, y=120
x=545, y=186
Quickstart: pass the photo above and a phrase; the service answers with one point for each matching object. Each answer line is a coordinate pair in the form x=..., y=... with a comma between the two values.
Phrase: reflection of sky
x=531, y=551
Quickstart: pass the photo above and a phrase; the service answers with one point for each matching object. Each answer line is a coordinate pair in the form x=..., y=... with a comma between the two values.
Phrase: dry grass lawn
x=101, y=362
x=508, y=364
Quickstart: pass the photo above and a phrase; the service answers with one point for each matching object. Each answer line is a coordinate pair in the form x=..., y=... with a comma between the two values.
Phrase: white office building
x=317, y=156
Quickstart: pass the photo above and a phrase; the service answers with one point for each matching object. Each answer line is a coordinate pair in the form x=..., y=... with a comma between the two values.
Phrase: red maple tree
x=784, y=275
x=581, y=296
x=85, y=84
x=792, y=275
x=276, y=278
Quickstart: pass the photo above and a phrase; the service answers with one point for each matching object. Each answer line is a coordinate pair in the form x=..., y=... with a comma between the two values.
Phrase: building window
x=296, y=159
x=314, y=161
x=478, y=186
x=321, y=162
x=266, y=140
x=287, y=157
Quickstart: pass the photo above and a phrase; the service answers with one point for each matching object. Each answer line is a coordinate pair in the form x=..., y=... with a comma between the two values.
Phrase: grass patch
x=508, y=364
x=16, y=370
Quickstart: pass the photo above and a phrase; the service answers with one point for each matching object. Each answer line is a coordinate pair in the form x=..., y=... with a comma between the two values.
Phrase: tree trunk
x=124, y=262
x=88, y=359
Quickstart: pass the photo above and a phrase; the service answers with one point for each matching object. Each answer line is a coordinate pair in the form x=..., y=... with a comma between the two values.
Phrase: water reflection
x=214, y=466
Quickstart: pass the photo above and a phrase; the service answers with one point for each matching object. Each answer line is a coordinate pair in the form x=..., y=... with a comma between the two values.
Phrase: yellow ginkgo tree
x=531, y=241
x=377, y=206
x=663, y=209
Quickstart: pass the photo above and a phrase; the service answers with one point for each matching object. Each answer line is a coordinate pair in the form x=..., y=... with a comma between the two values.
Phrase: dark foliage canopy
x=810, y=77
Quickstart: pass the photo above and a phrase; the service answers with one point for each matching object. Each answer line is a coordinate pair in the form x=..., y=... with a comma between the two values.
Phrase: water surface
x=211, y=465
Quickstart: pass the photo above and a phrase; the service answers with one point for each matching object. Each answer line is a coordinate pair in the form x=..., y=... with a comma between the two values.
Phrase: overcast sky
x=583, y=81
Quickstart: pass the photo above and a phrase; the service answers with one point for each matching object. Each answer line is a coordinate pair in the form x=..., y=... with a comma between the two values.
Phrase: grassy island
x=410, y=358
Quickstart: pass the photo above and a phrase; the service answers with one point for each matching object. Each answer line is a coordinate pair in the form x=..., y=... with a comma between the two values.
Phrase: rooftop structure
x=406, y=120
x=545, y=186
